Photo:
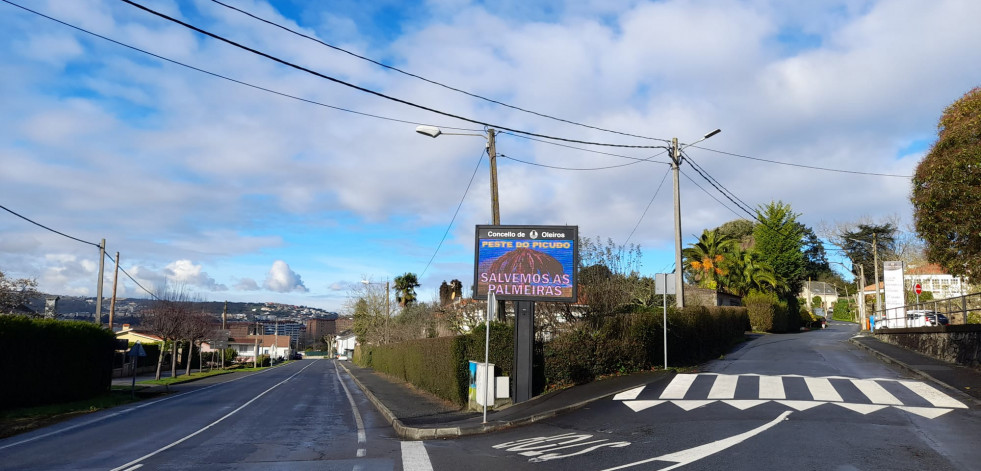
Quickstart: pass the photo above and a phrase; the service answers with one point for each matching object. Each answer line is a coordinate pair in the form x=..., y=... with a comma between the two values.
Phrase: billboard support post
x=524, y=340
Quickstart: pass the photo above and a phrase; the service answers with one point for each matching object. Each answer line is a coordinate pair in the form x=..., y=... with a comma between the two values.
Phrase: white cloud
x=282, y=279
x=184, y=272
x=246, y=284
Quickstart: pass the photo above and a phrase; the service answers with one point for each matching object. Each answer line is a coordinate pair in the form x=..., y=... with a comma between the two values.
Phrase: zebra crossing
x=691, y=391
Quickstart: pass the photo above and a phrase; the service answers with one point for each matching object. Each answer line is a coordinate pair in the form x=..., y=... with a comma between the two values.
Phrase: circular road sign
x=918, y=289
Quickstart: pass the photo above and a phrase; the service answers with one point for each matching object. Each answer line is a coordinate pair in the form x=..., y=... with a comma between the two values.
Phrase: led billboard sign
x=526, y=263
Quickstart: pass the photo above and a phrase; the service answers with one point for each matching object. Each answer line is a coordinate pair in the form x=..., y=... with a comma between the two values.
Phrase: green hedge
x=441, y=365
x=622, y=343
x=46, y=361
x=635, y=341
x=768, y=313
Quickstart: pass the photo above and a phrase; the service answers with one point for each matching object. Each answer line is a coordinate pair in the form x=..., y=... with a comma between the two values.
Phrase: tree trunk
x=173, y=360
x=160, y=360
x=190, y=355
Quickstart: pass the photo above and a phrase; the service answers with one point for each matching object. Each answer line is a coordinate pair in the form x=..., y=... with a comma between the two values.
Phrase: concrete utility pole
x=98, y=289
x=679, y=285
x=875, y=260
x=861, y=293
x=115, y=282
x=492, y=153
x=388, y=309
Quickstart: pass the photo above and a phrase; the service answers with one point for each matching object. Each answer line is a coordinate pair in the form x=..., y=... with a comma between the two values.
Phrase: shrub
x=763, y=310
x=53, y=361
x=263, y=360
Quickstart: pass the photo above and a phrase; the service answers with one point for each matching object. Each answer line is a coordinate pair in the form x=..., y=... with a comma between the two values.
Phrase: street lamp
x=388, y=309
x=679, y=284
x=434, y=132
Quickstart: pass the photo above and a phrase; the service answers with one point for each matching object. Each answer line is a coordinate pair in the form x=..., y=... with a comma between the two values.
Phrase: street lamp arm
x=434, y=132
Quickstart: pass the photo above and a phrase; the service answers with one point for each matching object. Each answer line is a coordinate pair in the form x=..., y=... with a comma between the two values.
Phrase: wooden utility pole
x=115, y=282
x=98, y=287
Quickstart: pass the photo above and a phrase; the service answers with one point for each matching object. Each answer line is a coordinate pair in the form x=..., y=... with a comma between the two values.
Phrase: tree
x=405, y=288
x=450, y=292
x=740, y=230
x=816, y=264
x=946, y=192
x=779, y=241
x=15, y=294
x=197, y=326
x=858, y=246
x=167, y=318
x=706, y=258
x=748, y=272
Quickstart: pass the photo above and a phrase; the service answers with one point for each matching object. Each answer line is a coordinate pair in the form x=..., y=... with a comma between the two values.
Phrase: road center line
x=127, y=410
x=243, y=406
x=362, y=438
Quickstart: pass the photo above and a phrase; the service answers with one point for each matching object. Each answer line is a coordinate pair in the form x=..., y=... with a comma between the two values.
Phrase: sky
x=259, y=186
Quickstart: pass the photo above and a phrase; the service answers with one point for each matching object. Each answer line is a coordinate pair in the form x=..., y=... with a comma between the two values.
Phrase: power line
x=217, y=75
x=455, y=213
x=132, y=279
x=48, y=228
x=367, y=90
x=658, y=190
x=804, y=166
x=448, y=87
x=592, y=150
x=709, y=194
x=574, y=168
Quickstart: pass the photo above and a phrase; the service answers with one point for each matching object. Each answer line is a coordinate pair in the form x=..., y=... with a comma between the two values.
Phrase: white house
x=345, y=342
x=932, y=278
x=275, y=346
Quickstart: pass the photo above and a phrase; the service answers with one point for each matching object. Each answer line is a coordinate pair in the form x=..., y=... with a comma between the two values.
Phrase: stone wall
x=960, y=344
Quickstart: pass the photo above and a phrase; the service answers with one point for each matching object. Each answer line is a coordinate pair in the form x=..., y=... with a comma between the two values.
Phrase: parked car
x=342, y=357
x=937, y=318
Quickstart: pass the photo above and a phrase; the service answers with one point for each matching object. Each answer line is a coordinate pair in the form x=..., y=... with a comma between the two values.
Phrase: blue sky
x=241, y=194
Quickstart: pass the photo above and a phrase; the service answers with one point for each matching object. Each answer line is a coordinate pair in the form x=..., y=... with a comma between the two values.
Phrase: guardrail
x=956, y=309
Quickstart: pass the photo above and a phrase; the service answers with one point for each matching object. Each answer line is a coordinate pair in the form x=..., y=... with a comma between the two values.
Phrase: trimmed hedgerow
x=46, y=361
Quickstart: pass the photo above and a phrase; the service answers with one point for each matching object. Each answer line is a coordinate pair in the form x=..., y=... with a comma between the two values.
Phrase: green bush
x=46, y=361
x=763, y=310
x=263, y=360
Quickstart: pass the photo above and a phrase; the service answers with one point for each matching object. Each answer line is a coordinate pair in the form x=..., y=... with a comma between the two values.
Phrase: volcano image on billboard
x=535, y=263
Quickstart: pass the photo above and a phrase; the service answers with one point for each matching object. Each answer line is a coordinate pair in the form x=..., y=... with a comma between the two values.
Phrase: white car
x=342, y=357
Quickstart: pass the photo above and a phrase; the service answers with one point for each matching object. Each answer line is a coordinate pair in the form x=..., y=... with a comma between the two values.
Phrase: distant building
x=827, y=292
x=934, y=279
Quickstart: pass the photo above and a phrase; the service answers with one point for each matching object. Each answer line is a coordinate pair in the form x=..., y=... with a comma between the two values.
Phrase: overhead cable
x=433, y=82
x=658, y=190
x=665, y=149
x=240, y=82
x=48, y=228
x=367, y=90
x=802, y=165
x=455, y=213
x=154, y=296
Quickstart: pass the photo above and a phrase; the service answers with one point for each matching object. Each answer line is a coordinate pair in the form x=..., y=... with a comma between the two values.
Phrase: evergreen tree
x=779, y=241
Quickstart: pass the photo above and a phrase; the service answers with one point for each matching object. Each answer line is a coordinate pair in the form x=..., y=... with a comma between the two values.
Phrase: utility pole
x=388, y=309
x=861, y=303
x=98, y=289
x=875, y=260
x=115, y=282
x=679, y=285
x=492, y=153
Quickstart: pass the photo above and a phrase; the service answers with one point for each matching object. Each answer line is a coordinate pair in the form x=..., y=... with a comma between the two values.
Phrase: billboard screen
x=526, y=263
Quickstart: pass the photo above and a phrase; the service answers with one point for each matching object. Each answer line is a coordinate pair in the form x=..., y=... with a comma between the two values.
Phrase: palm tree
x=750, y=272
x=707, y=258
x=405, y=288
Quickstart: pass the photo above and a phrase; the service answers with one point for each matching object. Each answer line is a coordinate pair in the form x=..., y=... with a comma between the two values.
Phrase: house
x=132, y=335
x=345, y=342
x=934, y=279
x=826, y=291
x=276, y=346
x=696, y=296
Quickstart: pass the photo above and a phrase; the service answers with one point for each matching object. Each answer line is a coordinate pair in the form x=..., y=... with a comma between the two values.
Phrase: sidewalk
x=964, y=381
x=417, y=415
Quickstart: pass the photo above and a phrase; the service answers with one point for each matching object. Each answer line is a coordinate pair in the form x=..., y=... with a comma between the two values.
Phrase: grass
x=186, y=378
x=25, y=419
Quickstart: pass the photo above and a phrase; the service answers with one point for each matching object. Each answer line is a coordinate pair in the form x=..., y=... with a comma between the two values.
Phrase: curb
x=430, y=433
x=915, y=371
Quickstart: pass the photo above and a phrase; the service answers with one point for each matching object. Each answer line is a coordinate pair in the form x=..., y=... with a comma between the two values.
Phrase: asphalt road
x=297, y=416
x=808, y=401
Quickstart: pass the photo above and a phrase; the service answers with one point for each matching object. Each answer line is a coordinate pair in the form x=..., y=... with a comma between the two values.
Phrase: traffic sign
x=918, y=289
x=137, y=351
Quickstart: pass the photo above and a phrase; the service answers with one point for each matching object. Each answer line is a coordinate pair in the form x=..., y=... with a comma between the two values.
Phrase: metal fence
x=958, y=311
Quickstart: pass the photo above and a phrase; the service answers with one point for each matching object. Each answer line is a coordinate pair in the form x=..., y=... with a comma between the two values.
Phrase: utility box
x=485, y=391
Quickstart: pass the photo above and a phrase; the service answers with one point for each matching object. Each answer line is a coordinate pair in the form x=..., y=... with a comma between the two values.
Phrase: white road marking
x=822, y=390
x=937, y=398
x=362, y=438
x=134, y=468
x=638, y=406
x=678, y=386
x=771, y=387
x=928, y=412
x=691, y=455
x=689, y=405
x=415, y=457
x=629, y=395
x=178, y=442
x=801, y=405
x=863, y=409
x=743, y=404
x=876, y=393
x=724, y=387
x=125, y=411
